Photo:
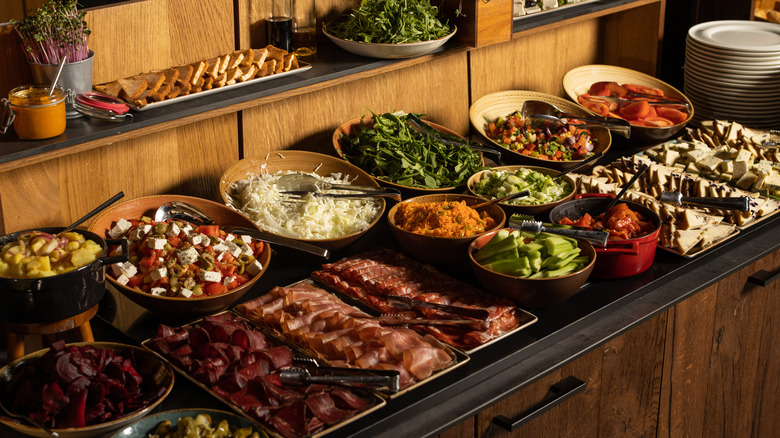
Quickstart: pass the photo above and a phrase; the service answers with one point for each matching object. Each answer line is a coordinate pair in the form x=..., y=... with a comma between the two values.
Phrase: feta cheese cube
x=246, y=238
x=221, y=256
x=126, y=268
x=157, y=243
x=227, y=280
x=173, y=230
x=220, y=247
x=233, y=249
x=187, y=256
x=146, y=228
x=158, y=273
x=195, y=239
x=230, y=237
x=186, y=229
x=211, y=276
x=120, y=228
x=254, y=268
x=159, y=291
x=205, y=240
x=247, y=250
x=186, y=293
x=122, y=279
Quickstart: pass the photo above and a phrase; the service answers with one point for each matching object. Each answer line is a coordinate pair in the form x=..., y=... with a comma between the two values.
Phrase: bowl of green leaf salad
x=390, y=29
x=397, y=154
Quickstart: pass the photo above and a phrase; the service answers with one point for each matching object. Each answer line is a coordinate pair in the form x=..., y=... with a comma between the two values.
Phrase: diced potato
x=82, y=257
x=39, y=264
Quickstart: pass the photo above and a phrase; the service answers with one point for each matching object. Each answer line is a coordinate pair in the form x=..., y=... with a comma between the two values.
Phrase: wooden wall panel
x=438, y=88
x=536, y=62
x=632, y=38
x=135, y=37
x=187, y=160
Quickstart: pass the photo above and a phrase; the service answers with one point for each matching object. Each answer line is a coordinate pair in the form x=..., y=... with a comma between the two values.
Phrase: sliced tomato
x=174, y=241
x=599, y=108
x=241, y=279
x=658, y=122
x=136, y=280
x=616, y=89
x=146, y=263
x=676, y=116
x=635, y=110
x=209, y=230
x=599, y=89
x=212, y=288
x=646, y=89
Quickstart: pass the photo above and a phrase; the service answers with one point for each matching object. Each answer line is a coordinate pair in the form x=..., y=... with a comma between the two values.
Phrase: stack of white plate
x=732, y=72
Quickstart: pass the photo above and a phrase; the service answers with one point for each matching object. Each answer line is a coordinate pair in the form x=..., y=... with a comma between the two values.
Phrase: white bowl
x=389, y=51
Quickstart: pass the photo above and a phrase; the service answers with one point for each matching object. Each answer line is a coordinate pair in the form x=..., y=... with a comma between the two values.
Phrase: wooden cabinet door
x=622, y=380
x=724, y=359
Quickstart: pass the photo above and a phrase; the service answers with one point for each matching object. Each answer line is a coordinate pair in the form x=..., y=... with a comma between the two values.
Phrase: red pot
x=620, y=258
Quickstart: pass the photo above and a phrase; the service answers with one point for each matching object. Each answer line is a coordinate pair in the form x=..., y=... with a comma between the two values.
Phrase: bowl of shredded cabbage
x=250, y=187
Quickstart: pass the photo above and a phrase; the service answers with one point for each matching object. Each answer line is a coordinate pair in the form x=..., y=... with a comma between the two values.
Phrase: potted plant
x=56, y=30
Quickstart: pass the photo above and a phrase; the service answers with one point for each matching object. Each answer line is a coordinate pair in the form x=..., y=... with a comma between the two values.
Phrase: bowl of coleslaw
x=249, y=187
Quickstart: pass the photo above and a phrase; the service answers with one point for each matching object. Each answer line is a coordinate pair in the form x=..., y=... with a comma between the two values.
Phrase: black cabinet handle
x=764, y=278
x=560, y=392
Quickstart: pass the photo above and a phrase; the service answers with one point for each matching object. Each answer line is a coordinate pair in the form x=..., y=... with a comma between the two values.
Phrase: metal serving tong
x=468, y=312
x=302, y=184
x=741, y=203
x=537, y=109
x=594, y=236
x=451, y=140
x=389, y=380
x=402, y=319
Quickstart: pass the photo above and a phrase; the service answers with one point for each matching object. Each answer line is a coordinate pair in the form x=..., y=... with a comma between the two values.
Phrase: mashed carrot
x=442, y=219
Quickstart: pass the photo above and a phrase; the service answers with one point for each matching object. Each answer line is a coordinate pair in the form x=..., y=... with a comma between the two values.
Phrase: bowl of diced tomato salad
x=532, y=142
x=178, y=269
x=655, y=109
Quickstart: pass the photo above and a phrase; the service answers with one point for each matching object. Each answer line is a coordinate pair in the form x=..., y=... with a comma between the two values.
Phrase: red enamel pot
x=619, y=258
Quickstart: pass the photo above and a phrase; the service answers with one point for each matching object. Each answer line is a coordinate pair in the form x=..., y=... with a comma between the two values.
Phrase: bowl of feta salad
x=250, y=187
x=177, y=269
x=546, y=191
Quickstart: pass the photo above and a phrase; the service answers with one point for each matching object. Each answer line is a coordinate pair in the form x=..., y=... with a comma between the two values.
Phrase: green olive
x=160, y=228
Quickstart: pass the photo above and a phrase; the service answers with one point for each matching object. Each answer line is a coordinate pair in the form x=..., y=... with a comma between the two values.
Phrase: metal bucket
x=76, y=78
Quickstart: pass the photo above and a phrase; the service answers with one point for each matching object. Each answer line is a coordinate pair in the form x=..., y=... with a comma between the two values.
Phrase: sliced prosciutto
x=370, y=277
x=239, y=364
x=347, y=337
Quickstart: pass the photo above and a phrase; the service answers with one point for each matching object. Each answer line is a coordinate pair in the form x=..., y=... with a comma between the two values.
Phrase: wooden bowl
x=150, y=366
x=531, y=292
x=435, y=250
x=578, y=80
x=407, y=191
x=299, y=161
x=539, y=210
x=178, y=307
x=501, y=104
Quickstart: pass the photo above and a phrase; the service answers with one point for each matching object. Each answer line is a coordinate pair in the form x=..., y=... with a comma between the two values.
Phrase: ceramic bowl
x=299, y=161
x=539, y=211
x=150, y=366
x=501, y=104
x=388, y=51
x=407, y=191
x=178, y=307
x=440, y=250
x=143, y=427
x=531, y=292
x=578, y=80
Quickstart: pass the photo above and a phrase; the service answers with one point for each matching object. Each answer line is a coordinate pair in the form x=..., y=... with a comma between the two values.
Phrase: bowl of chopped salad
x=249, y=186
x=180, y=270
x=535, y=142
x=398, y=155
x=546, y=190
x=390, y=29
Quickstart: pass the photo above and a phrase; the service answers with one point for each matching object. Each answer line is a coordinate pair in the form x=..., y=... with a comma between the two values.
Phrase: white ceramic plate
x=302, y=68
x=747, y=85
x=738, y=35
x=697, y=69
x=734, y=96
x=722, y=67
x=734, y=102
x=733, y=57
x=389, y=51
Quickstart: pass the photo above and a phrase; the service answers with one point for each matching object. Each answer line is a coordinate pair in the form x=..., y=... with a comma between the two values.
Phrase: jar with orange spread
x=38, y=115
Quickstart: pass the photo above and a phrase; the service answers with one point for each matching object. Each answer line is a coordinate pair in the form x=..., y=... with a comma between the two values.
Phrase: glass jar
x=38, y=115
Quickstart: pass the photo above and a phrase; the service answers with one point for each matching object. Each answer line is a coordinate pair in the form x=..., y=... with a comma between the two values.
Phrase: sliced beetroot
x=54, y=398
x=64, y=369
x=74, y=415
x=163, y=331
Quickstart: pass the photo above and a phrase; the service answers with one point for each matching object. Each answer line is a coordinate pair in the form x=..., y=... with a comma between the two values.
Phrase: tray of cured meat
x=240, y=365
x=372, y=277
x=341, y=335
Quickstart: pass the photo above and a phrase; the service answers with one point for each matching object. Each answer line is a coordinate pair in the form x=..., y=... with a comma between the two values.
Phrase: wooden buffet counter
x=686, y=348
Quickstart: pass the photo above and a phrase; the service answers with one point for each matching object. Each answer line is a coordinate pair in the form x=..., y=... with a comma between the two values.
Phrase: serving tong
x=451, y=140
x=740, y=203
x=551, y=114
x=593, y=236
x=310, y=371
x=298, y=185
x=393, y=319
x=467, y=312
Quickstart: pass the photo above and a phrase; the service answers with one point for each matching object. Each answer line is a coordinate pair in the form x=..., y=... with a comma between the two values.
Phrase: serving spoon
x=522, y=194
x=542, y=110
x=190, y=213
x=303, y=183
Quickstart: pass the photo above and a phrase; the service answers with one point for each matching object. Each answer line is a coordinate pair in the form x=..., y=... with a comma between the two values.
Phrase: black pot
x=36, y=300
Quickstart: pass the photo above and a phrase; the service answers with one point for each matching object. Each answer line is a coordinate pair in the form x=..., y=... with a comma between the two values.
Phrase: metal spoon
x=302, y=183
x=550, y=112
x=522, y=194
x=190, y=213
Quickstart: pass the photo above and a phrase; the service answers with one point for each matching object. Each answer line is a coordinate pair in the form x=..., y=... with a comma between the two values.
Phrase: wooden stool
x=17, y=331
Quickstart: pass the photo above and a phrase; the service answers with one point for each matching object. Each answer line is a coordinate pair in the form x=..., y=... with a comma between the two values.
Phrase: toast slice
x=112, y=88
x=248, y=58
x=235, y=60
x=198, y=69
x=185, y=74
x=224, y=60
x=231, y=76
x=289, y=62
x=258, y=57
x=247, y=72
x=132, y=88
x=212, y=67
x=275, y=53
x=171, y=76
x=154, y=80
x=267, y=69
